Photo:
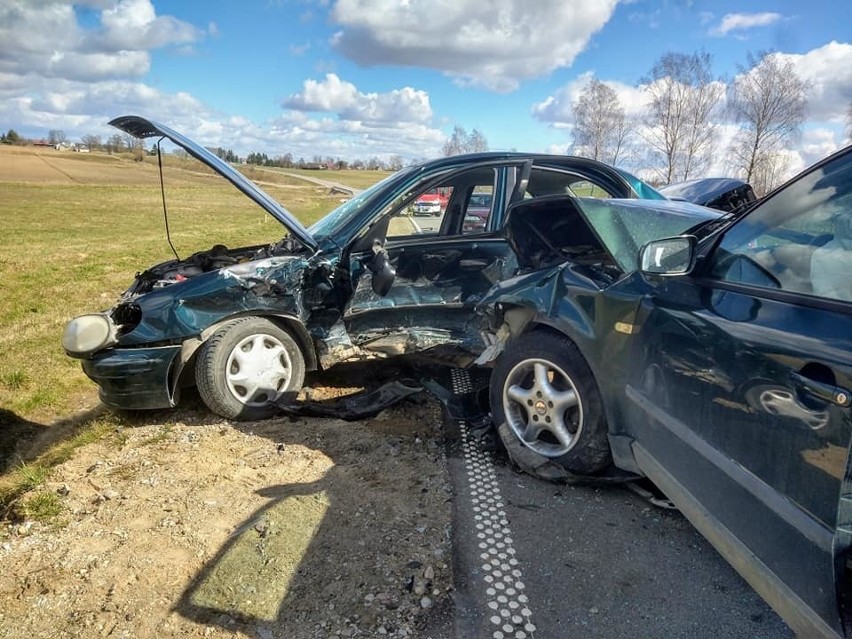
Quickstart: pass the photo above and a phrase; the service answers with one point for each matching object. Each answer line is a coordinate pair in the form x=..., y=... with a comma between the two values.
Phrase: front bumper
x=134, y=378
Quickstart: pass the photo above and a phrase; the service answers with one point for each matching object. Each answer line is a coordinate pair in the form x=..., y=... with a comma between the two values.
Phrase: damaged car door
x=441, y=268
x=741, y=392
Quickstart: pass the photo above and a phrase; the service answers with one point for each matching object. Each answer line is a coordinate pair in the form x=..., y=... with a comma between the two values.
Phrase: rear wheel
x=247, y=364
x=547, y=407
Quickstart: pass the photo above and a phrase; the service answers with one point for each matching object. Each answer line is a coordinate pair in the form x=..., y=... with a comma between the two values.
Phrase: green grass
x=355, y=179
x=68, y=249
x=21, y=494
x=71, y=249
x=40, y=506
x=160, y=436
x=31, y=475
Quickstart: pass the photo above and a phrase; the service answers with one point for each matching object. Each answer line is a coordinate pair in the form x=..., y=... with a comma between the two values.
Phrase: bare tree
x=131, y=142
x=463, y=142
x=56, y=136
x=91, y=142
x=680, y=120
x=600, y=127
x=768, y=102
x=769, y=171
x=114, y=143
x=476, y=142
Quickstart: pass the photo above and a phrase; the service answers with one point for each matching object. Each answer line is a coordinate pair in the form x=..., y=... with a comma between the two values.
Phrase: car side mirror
x=670, y=256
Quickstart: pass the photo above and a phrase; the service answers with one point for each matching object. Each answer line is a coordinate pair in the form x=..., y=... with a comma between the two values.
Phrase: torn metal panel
x=334, y=345
x=359, y=405
x=401, y=294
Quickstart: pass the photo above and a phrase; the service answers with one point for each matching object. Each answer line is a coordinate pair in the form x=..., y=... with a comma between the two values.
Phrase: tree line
x=677, y=136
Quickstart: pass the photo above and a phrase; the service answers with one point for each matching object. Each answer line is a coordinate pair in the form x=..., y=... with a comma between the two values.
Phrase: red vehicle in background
x=432, y=202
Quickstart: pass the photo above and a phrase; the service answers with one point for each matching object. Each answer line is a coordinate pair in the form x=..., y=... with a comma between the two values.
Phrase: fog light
x=86, y=334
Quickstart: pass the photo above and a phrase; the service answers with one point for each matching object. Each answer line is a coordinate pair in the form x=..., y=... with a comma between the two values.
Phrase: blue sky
x=362, y=78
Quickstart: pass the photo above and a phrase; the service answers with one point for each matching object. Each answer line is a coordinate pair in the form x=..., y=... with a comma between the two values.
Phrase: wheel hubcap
x=258, y=370
x=543, y=407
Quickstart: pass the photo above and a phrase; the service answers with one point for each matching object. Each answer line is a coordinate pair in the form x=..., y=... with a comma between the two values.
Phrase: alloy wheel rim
x=543, y=407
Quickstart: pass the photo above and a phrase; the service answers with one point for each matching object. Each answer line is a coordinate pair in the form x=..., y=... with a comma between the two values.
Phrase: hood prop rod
x=163, y=192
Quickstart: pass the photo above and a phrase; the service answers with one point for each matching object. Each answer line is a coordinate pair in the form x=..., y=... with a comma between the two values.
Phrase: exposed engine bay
x=213, y=259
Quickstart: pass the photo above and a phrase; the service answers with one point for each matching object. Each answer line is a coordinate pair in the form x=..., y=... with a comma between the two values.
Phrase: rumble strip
x=508, y=606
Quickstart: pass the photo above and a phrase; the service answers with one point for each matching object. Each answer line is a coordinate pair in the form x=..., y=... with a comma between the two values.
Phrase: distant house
x=315, y=166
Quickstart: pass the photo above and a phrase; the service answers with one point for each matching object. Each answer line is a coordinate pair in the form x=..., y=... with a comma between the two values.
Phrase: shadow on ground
x=359, y=529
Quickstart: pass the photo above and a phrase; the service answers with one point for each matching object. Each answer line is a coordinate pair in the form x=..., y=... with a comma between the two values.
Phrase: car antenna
x=163, y=191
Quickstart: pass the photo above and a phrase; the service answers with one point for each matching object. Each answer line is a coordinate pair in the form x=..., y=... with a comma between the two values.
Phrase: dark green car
x=367, y=281
x=718, y=363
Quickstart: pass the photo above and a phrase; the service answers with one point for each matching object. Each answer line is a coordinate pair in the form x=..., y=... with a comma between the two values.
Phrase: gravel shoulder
x=182, y=525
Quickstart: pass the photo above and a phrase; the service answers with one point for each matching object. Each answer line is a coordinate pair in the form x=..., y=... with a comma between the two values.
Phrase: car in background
x=477, y=212
x=430, y=203
x=725, y=194
x=717, y=362
x=244, y=324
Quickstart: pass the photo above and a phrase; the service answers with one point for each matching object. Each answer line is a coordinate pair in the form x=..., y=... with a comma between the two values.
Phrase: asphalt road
x=535, y=559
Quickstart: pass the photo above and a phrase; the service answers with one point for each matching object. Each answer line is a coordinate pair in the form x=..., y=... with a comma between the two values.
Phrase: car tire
x=247, y=364
x=547, y=408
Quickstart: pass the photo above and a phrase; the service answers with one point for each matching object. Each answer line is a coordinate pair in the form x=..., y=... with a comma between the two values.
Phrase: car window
x=799, y=240
x=337, y=219
x=546, y=181
x=642, y=189
x=477, y=211
x=448, y=208
x=422, y=215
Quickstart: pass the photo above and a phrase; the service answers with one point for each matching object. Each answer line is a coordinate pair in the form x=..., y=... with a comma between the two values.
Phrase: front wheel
x=246, y=365
x=547, y=407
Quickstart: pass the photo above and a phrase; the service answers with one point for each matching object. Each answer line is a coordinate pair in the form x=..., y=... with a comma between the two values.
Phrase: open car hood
x=142, y=128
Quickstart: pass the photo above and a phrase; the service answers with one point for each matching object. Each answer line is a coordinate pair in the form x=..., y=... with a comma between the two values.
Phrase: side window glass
x=800, y=240
x=585, y=188
x=544, y=182
x=463, y=204
x=424, y=215
x=477, y=213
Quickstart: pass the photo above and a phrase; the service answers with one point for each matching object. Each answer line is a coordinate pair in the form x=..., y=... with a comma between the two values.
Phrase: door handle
x=821, y=390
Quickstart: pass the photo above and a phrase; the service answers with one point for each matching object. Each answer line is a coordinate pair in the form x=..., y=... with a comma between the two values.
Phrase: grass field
x=77, y=227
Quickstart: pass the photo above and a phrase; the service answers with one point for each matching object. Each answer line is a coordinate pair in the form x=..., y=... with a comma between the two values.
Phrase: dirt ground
x=187, y=526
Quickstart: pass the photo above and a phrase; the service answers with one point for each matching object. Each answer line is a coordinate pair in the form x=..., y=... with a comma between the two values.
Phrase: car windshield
x=625, y=226
x=337, y=218
x=642, y=189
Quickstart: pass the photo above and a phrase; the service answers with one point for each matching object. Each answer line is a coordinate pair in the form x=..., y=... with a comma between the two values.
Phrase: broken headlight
x=86, y=334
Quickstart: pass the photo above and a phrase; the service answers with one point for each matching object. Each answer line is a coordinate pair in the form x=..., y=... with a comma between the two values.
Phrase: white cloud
x=817, y=143
x=495, y=44
x=738, y=22
x=556, y=109
x=828, y=70
x=134, y=25
x=79, y=106
x=297, y=133
x=46, y=39
x=332, y=95
x=397, y=122
x=343, y=98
